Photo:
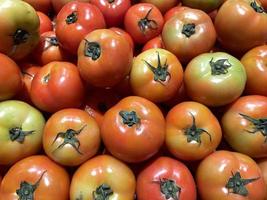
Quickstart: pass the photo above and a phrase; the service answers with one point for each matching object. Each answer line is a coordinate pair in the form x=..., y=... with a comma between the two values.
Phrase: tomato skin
x=215, y=171
x=51, y=87
x=154, y=43
x=54, y=184
x=234, y=15
x=146, y=83
x=262, y=163
x=173, y=11
x=9, y=85
x=162, y=5
x=112, y=61
x=74, y=21
x=45, y=22
x=116, y=133
x=15, y=143
x=137, y=16
x=58, y=4
x=236, y=127
x=44, y=6
x=207, y=5
x=263, y=3
x=124, y=34
x=86, y=142
x=99, y=170
x=22, y=26
x=49, y=50
x=204, y=86
x=254, y=62
x=165, y=168
x=179, y=120
x=113, y=11
x=189, y=33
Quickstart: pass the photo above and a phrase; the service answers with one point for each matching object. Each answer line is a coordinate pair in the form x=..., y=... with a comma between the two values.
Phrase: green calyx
x=92, y=50
x=189, y=29
x=257, y=7
x=169, y=189
x=220, y=66
x=146, y=23
x=72, y=18
x=103, y=192
x=17, y=134
x=20, y=36
x=130, y=118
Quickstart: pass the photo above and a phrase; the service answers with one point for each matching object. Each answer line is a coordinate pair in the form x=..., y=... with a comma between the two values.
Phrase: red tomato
x=244, y=125
x=104, y=58
x=154, y=43
x=229, y=175
x=103, y=177
x=44, y=6
x=45, y=22
x=113, y=10
x=143, y=22
x=134, y=119
x=58, y=4
x=166, y=178
x=263, y=166
x=74, y=21
x=263, y=3
x=56, y=86
x=254, y=63
x=233, y=16
x=35, y=177
x=10, y=76
x=162, y=5
x=124, y=34
x=49, y=50
x=173, y=11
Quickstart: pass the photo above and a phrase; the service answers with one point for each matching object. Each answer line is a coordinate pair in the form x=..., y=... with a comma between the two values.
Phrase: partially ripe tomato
x=45, y=22
x=173, y=11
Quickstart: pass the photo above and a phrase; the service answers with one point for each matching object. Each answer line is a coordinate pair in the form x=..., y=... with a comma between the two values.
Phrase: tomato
x=103, y=177
x=192, y=131
x=173, y=11
x=143, y=21
x=98, y=102
x=134, y=119
x=254, y=63
x=35, y=177
x=215, y=79
x=263, y=3
x=162, y=5
x=21, y=129
x=262, y=163
x=207, y=5
x=124, y=34
x=233, y=16
x=49, y=50
x=56, y=86
x=189, y=33
x=166, y=178
x=227, y=175
x=156, y=42
x=74, y=21
x=71, y=137
x=19, y=28
x=11, y=78
x=244, y=125
x=58, y=4
x=104, y=58
x=44, y=6
x=45, y=22
x=113, y=10
x=156, y=74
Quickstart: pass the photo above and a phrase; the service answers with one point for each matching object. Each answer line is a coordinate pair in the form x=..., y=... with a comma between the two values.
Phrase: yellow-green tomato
x=21, y=129
x=19, y=28
x=215, y=79
x=205, y=5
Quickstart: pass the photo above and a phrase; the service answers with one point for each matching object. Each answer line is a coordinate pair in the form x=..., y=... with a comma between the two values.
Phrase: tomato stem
x=72, y=18
x=111, y=1
x=53, y=41
x=130, y=118
x=189, y=29
x=169, y=188
x=46, y=78
x=146, y=23
x=92, y=50
x=220, y=66
x=17, y=134
x=256, y=7
x=20, y=36
x=102, y=192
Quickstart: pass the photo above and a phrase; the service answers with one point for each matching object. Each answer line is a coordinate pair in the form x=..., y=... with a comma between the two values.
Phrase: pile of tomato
x=133, y=100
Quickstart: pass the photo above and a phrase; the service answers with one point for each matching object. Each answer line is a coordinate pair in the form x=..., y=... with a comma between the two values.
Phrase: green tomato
x=21, y=129
x=19, y=28
x=215, y=79
x=205, y=5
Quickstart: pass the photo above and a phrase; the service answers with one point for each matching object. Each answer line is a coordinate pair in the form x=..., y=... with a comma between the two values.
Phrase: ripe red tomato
x=229, y=175
x=162, y=5
x=166, y=178
x=49, y=49
x=58, y=4
x=74, y=21
x=104, y=58
x=244, y=125
x=113, y=10
x=45, y=23
x=214, y=79
x=254, y=63
x=156, y=74
x=192, y=131
x=143, y=21
x=71, y=137
x=44, y=6
x=10, y=76
x=35, y=177
x=262, y=163
x=134, y=119
x=124, y=34
x=233, y=16
x=57, y=85
x=189, y=33
x=103, y=177
x=154, y=43
x=173, y=11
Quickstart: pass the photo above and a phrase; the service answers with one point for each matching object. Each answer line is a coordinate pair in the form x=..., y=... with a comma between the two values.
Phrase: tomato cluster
x=133, y=100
